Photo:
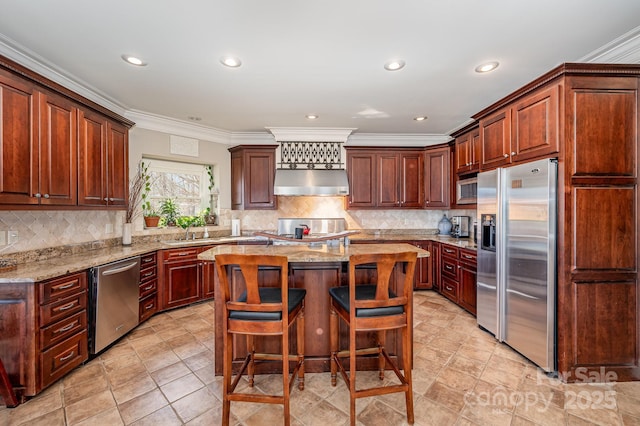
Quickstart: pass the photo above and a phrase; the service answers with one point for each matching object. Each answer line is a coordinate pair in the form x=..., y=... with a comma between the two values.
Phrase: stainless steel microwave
x=467, y=191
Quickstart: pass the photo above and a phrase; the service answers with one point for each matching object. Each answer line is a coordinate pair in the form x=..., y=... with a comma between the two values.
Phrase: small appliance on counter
x=461, y=226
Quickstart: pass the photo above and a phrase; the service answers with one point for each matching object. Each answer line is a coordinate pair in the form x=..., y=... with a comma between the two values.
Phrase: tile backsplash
x=43, y=229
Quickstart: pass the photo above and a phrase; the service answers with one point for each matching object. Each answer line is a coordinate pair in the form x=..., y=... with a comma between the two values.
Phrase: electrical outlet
x=12, y=237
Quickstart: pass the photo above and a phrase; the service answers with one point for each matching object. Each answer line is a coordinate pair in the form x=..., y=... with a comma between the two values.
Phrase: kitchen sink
x=215, y=240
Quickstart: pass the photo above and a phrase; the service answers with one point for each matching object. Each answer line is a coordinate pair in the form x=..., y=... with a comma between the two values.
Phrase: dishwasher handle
x=120, y=269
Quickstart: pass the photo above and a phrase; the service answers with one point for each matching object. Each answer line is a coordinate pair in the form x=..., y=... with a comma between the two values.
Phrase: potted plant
x=150, y=214
x=169, y=211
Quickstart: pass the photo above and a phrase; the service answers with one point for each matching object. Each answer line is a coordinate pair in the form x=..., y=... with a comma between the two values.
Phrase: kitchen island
x=316, y=269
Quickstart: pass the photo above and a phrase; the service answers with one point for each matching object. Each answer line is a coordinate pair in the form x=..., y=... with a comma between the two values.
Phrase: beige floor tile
x=324, y=414
x=43, y=405
x=125, y=374
x=85, y=389
x=85, y=408
x=141, y=406
x=54, y=418
x=457, y=380
x=190, y=349
x=110, y=417
x=446, y=396
x=160, y=361
x=200, y=360
x=163, y=417
x=195, y=404
x=87, y=372
x=379, y=414
x=429, y=413
x=181, y=387
x=138, y=386
x=170, y=372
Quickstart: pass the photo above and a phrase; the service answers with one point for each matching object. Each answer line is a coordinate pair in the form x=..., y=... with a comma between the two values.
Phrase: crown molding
x=400, y=139
x=623, y=50
x=160, y=123
x=311, y=134
x=47, y=69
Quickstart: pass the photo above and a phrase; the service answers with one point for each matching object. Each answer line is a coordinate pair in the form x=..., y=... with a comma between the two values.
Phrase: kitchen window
x=189, y=185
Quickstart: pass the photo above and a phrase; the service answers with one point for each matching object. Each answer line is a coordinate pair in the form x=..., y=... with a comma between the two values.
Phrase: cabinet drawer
x=60, y=330
x=449, y=268
x=63, y=357
x=147, y=260
x=451, y=251
x=62, y=308
x=181, y=254
x=147, y=288
x=449, y=289
x=149, y=273
x=468, y=256
x=62, y=287
x=148, y=306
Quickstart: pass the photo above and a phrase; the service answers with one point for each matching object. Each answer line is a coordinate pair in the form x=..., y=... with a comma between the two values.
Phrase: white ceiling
x=323, y=57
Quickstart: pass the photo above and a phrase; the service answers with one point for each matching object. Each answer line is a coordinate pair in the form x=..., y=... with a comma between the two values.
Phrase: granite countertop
x=311, y=253
x=65, y=264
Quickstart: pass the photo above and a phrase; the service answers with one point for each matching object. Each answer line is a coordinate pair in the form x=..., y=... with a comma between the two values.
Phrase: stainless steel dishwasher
x=113, y=293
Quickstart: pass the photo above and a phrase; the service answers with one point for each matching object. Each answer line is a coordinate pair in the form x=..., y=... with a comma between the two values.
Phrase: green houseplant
x=169, y=211
x=150, y=214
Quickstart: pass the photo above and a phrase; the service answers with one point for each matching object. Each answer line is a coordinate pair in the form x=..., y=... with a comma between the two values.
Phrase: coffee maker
x=461, y=226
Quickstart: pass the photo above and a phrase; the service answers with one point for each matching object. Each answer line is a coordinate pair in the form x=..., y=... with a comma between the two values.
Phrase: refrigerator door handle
x=528, y=296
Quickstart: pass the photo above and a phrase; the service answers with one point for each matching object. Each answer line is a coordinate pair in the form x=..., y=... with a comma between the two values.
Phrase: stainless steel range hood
x=311, y=161
x=311, y=182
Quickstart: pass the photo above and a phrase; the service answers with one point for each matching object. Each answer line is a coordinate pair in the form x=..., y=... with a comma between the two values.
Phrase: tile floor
x=162, y=374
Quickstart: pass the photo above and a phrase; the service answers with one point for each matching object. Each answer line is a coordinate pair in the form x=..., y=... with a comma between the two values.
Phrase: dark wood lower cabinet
x=183, y=280
x=457, y=275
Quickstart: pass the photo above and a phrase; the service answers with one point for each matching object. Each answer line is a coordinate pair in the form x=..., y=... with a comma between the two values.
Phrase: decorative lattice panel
x=311, y=155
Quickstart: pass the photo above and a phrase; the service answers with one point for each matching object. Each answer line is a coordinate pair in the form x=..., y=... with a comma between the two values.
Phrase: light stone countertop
x=310, y=253
x=66, y=264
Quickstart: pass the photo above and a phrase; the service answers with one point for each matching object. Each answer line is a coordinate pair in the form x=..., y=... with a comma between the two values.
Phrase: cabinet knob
x=506, y=155
x=37, y=195
x=46, y=195
x=513, y=153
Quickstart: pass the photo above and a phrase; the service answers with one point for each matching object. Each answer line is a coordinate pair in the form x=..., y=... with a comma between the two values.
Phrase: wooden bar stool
x=374, y=307
x=6, y=389
x=260, y=311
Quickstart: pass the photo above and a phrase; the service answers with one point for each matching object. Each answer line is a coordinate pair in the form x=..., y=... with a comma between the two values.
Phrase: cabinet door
x=118, y=164
x=436, y=182
x=495, y=140
x=411, y=194
x=18, y=142
x=463, y=153
x=424, y=270
x=259, y=176
x=467, y=294
x=237, y=182
x=435, y=264
x=58, y=150
x=535, y=125
x=182, y=284
x=92, y=167
x=361, y=172
x=474, y=151
x=388, y=180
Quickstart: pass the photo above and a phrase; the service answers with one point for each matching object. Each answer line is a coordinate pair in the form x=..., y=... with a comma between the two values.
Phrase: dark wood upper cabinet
x=253, y=169
x=467, y=151
x=390, y=178
x=436, y=177
x=526, y=130
x=57, y=148
x=103, y=161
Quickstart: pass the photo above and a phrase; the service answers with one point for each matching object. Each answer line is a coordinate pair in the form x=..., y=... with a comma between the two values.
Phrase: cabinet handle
x=148, y=288
x=449, y=267
x=66, y=286
x=112, y=199
x=448, y=288
x=64, y=358
x=467, y=256
x=147, y=259
x=448, y=251
x=148, y=274
x=184, y=253
x=149, y=306
x=66, y=307
x=66, y=328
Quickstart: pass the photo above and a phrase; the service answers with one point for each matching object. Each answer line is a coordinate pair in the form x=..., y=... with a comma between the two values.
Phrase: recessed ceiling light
x=133, y=60
x=421, y=118
x=312, y=116
x=394, y=65
x=489, y=66
x=230, y=61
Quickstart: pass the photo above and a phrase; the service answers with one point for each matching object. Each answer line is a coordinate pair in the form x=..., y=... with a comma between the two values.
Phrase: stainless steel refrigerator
x=517, y=258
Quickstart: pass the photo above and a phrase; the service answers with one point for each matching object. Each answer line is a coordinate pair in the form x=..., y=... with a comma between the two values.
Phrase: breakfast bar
x=316, y=268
